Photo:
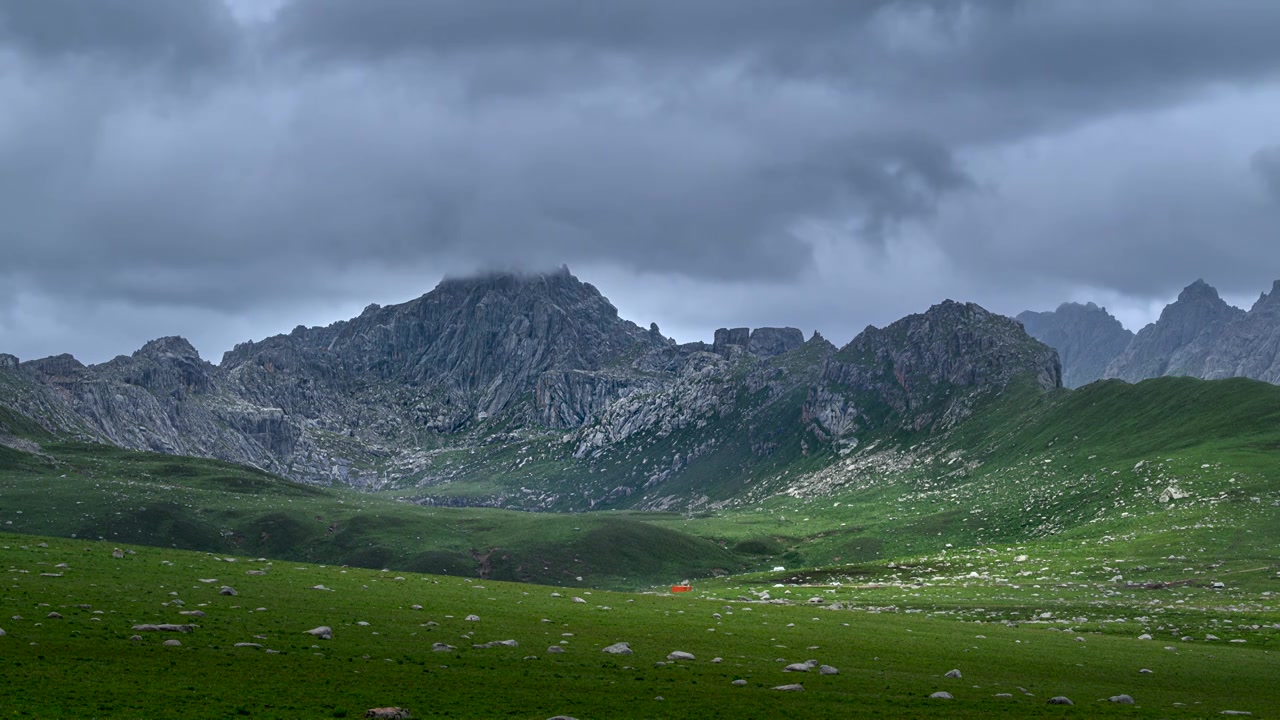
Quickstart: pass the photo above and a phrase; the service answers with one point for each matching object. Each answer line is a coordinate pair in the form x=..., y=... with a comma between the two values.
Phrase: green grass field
x=84, y=665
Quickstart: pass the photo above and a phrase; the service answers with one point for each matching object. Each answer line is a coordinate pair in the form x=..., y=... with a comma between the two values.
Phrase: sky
x=226, y=170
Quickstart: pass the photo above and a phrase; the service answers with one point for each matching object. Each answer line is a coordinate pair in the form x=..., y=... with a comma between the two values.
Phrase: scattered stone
x=717, y=660
x=172, y=643
x=320, y=587
x=441, y=647
x=554, y=649
x=1235, y=712
x=952, y=674
x=248, y=645
x=135, y=638
x=620, y=648
x=362, y=623
x=472, y=618
x=680, y=655
x=1122, y=699
x=164, y=627
x=117, y=554
x=827, y=670
x=1004, y=695
x=388, y=713
x=255, y=572
x=496, y=643
x=415, y=607
x=1060, y=700
x=50, y=574
x=1145, y=671
x=796, y=667
x=739, y=683
x=192, y=613
x=54, y=616
x=941, y=695
x=324, y=632
x=579, y=600
x=794, y=687
x=2, y=633
x=227, y=590
x=1210, y=637
x=1144, y=636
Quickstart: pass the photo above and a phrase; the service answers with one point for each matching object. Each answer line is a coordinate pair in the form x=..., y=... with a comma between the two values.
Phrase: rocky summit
x=1182, y=339
x=535, y=383
x=1086, y=337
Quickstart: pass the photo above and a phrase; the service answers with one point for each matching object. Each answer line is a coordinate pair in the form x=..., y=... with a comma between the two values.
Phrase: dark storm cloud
x=184, y=33
x=353, y=151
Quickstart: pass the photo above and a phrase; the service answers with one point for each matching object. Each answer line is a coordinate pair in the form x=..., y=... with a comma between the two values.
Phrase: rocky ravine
x=488, y=377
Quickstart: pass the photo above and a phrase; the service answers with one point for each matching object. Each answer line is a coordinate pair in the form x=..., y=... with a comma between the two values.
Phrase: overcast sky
x=228, y=169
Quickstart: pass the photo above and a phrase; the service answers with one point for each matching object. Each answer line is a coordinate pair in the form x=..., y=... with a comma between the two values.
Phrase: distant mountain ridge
x=533, y=388
x=1198, y=335
x=1086, y=337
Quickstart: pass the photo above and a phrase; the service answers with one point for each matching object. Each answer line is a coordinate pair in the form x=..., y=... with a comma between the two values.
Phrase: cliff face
x=433, y=390
x=1086, y=337
x=1180, y=342
x=1250, y=345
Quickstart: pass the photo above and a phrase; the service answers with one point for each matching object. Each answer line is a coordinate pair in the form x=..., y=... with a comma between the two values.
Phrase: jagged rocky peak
x=58, y=368
x=961, y=344
x=172, y=346
x=765, y=342
x=166, y=366
x=1086, y=337
x=1181, y=340
x=8, y=362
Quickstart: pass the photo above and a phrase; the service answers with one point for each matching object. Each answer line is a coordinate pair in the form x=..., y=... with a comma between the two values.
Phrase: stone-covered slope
x=1086, y=337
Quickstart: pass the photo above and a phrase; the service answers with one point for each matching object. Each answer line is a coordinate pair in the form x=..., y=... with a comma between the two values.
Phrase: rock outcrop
x=1086, y=337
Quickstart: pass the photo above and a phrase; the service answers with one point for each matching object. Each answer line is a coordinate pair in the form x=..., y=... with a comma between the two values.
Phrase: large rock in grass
x=324, y=632
x=680, y=655
x=1060, y=700
x=941, y=695
x=794, y=687
x=1122, y=699
x=620, y=648
x=388, y=713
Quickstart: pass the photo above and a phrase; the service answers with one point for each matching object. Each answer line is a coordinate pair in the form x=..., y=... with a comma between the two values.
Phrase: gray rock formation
x=926, y=371
x=1180, y=342
x=1250, y=345
x=482, y=377
x=1086, y=337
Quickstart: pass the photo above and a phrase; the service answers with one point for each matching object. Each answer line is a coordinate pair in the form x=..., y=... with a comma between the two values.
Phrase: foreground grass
x=83, y=665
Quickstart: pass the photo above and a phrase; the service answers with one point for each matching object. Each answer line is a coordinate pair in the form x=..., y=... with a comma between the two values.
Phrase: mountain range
x=530, y=391
x=1198, y=335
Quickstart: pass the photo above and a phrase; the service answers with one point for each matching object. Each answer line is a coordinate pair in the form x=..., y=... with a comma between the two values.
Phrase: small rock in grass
x=54, y=616
x=415, y=607
x=680, y=655
x=1145, y=671
x=562, y=717
x=941, y=695
x=739, y=683
x=1144, y=636
x=827, y=670
x=1004, y=695
x=227, y=590
x=794, y=687
x=1060, y=700
x=172, y=643
x=135, y=638
x=472, y=618
x=578, y=600
x=554, y=649
x=796, y=667
x=192, y=613
x=362, y=623
x=324, y=632
x=952, y=674
x=1210, y=637
x=1235, y=712
x=441, y=647
x=620, y=648
x=717, y=660
x=1122, y=699
x=388, y=713
x=117, y=554
x=248, y=645
x=255, y=572
x=2, y=632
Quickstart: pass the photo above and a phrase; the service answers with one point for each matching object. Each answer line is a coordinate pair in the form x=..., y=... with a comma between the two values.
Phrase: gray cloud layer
x=844, y=161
